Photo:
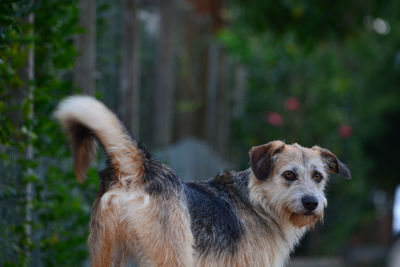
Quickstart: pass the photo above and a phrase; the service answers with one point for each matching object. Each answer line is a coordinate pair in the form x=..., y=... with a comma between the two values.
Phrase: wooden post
x=212, y=92
x=86, y=47
x=164, y=95
x=223, y=110
x=130, y=72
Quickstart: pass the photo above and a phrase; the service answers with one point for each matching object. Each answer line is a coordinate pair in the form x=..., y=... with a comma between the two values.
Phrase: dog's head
x=289, y=180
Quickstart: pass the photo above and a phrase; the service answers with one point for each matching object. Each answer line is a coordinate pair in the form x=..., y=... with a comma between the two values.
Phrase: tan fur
x=299, y=220
x=131, y=220
x=260, y=249
x=127, y=221
x=86, y=111
x=283, y=201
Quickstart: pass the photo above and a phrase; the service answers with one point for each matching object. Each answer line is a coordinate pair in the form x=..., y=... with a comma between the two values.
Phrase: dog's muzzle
x=309, y=203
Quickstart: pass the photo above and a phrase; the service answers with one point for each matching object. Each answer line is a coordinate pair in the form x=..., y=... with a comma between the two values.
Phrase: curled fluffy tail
x=85, y=119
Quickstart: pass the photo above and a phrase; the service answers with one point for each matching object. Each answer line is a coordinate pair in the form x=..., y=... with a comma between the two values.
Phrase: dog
x=144, y=211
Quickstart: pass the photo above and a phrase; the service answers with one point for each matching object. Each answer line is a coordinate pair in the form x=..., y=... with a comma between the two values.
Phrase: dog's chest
x=226, y=233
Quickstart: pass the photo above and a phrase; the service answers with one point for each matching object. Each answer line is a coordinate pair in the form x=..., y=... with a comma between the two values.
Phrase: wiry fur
x=143, y=210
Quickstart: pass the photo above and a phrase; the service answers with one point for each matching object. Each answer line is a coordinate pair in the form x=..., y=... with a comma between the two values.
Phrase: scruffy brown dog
x=144, y=211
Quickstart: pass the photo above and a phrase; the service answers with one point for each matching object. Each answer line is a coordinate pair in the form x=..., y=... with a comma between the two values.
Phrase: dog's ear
x=261, y=158
x=333, y=163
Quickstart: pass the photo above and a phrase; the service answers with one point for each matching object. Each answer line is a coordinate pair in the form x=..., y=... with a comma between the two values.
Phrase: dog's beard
x=300, y=220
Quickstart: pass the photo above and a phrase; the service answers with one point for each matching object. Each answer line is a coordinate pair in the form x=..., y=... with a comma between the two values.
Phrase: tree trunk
x=86, y=47
x=130, y=73
x=164, y=95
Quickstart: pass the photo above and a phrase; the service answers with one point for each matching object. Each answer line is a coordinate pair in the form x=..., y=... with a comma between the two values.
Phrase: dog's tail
x=85, y=119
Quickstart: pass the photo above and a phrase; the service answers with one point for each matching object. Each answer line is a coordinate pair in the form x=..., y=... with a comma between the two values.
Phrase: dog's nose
x=309, y=203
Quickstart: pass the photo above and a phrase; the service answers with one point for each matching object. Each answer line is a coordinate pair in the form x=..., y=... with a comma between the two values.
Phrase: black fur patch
x=142, y=148
x=215, y=225
x=160, y=180
x=107, y=180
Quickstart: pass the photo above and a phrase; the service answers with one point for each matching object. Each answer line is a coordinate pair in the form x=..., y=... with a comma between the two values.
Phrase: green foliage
x=308, y=21
x=335, y=94
x=60, y=206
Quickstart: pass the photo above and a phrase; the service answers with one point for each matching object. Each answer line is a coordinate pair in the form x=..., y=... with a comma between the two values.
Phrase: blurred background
x=199, y=82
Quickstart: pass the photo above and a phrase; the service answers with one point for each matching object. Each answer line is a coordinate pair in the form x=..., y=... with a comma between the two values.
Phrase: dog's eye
x=317, y=177
x=289, y=175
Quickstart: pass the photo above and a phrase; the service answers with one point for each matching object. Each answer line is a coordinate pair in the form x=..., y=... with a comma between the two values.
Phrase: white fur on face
x=284, y=198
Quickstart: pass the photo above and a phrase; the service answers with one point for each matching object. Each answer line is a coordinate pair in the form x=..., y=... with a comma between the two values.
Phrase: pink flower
x=292, y=104
x=274, y=118
x=345, y=131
